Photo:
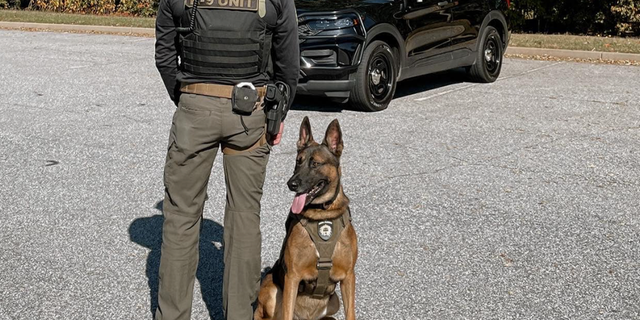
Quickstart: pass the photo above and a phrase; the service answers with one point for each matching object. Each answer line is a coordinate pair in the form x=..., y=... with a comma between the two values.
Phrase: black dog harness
x=325, y=235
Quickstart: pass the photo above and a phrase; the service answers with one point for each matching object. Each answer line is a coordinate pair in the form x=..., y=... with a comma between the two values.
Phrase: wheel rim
x=380, y=77
x=492, y=55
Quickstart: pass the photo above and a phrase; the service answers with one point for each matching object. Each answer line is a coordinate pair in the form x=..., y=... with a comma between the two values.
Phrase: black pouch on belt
x=243, y=100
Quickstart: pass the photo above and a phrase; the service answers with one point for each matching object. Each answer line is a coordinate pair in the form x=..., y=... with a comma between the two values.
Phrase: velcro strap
x=214, y=90
x=235, y=35
x=324, y=279
x=227, y=71
x=220, y=59
x=221, y=47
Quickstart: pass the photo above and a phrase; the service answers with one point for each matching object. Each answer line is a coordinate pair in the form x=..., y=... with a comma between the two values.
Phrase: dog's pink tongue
x=298, y=203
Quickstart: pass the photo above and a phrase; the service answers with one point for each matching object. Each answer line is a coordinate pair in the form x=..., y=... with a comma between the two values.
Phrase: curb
x=77, y=28
x=577, y=54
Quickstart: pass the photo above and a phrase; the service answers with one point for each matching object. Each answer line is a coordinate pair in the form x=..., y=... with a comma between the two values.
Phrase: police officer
x=215, y=60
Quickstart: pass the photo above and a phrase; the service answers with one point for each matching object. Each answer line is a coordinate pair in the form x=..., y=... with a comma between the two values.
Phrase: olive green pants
x=201, y=125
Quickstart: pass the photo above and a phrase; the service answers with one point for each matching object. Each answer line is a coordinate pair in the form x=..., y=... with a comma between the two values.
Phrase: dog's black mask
x=316, y=176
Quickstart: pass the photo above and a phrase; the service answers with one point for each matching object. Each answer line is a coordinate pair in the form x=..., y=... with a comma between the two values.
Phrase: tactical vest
x=230, y=40
x=325, y=235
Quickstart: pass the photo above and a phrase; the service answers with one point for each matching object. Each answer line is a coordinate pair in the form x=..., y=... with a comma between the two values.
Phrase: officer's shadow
x=147, y=232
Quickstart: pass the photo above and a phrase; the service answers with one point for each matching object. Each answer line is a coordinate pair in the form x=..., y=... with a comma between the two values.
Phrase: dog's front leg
x=348, y=288
x=289, y=296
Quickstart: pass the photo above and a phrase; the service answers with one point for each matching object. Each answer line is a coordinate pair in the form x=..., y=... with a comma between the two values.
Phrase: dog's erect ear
x=305, y=134
x=333, y=138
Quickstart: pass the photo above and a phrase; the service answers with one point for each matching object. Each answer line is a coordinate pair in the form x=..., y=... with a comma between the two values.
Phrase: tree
x=576, y=16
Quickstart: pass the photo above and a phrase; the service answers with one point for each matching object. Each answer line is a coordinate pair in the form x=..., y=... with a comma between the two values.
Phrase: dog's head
x=316, y=178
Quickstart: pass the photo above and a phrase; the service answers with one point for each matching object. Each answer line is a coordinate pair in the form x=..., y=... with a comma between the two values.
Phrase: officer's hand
x=274, y=140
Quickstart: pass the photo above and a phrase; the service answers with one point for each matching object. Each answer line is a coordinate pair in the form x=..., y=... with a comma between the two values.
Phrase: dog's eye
x=315, y=164
x=299, y=161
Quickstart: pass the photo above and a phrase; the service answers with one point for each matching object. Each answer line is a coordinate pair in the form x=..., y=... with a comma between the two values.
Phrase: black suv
x=357, y=50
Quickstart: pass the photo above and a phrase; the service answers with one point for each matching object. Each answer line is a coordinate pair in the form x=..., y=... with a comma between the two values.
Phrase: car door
x=428, y=29
x=467, y=16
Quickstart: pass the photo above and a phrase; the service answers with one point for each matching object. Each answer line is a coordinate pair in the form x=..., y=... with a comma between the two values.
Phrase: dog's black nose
x=293, y=184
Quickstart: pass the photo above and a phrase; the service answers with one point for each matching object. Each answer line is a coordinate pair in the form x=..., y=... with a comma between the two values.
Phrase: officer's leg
x=192, y=150
x=244, y=177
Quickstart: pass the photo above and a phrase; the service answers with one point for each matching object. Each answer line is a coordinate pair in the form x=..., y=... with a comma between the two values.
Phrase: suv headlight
x=322, y=23
x=331, y=24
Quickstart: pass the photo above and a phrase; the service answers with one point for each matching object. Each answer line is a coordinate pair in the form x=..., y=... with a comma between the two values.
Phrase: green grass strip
x=570, y=42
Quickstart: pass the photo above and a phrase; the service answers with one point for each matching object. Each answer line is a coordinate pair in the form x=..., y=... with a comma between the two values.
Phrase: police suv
x=357, y=50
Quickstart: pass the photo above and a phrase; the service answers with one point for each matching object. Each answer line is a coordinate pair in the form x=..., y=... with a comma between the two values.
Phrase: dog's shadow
x=147, y=232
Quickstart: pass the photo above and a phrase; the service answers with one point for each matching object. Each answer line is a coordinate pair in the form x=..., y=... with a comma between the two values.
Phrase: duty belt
x=215, y=90
x=225, y=91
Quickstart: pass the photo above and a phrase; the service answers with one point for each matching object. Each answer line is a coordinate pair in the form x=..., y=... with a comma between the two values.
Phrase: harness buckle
x=324, y=265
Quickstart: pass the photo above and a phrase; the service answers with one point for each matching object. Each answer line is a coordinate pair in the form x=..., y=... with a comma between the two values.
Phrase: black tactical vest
x=230, y=40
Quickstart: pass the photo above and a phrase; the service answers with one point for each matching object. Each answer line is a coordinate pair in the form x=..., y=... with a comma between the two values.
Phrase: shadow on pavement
x=147, y=232
x=430, y=82
x=319, y=104
x=404, y=88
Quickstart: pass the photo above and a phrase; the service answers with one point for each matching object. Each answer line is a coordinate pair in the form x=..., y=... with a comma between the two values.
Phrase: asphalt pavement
x=512, y=200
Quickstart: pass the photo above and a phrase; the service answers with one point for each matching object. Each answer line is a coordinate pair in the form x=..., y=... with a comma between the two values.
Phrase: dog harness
x=324, y=234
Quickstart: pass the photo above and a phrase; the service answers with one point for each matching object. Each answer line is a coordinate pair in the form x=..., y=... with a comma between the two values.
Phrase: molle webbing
x=224, y=53
x=227, y=54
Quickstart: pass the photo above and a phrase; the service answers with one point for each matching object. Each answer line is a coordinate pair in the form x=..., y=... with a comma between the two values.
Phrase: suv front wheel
x=489, y=60
x=375, y=78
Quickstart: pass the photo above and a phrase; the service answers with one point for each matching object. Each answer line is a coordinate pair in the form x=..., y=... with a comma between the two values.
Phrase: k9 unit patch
x=325, y=230
x=248, y=5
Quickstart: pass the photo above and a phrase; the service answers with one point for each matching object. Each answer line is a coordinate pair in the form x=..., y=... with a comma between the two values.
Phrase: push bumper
x=328, y=58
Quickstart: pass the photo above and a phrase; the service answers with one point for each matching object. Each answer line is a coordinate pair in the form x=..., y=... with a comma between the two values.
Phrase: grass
x=67, y=18
x=569, y=42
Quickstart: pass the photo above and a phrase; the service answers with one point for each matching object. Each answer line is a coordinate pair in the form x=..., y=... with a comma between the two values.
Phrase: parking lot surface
x=512, y=200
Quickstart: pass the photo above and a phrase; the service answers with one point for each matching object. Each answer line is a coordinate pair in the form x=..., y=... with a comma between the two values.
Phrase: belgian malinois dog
x=320, y=248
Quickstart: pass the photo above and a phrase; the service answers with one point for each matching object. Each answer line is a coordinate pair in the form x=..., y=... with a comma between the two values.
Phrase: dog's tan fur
x=279, y=298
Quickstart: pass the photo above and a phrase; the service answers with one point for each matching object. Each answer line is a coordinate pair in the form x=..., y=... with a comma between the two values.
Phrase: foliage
x=576, y=16
x=10, y=4
x=145, y=8
x=595, y=17
x=627, y=16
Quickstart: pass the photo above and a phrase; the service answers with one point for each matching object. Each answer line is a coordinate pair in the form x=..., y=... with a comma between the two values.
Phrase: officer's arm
x=166, y=53
x=286, y=48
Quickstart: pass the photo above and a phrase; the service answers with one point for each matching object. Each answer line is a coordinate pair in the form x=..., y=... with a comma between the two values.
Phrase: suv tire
x=488, y=63
x=375, y=79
